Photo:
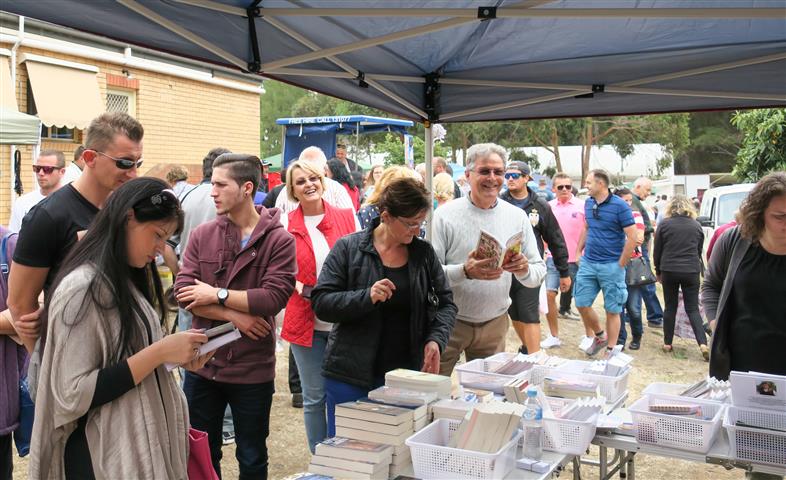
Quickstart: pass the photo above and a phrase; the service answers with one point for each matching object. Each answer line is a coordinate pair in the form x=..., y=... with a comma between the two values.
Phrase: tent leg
x=429, y=175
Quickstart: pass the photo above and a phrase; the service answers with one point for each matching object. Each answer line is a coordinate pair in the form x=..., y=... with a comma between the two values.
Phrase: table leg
x=603, y=467
x=576, y=468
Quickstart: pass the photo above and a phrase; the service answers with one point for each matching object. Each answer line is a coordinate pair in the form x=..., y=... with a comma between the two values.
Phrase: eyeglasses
x=488, y=171
x=564, y=187
x=122, y=163
x=46, y=168
x=514, y=176
x=413, y=226
x=302, y=181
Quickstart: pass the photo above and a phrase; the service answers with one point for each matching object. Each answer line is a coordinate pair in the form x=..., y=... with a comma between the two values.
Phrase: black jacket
x=678, y=244
x=546, y=230
x=343, y=296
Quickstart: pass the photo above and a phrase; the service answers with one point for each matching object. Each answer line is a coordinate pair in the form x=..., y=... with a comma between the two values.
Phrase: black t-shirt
x=394, y=348
x=757, y=334
x=50, y=229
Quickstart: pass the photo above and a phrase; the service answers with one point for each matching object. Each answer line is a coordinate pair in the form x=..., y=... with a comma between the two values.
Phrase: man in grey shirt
x=480, y=287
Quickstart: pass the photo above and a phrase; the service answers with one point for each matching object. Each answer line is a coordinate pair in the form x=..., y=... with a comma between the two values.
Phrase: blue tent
x=303, y=132
x=470, y=60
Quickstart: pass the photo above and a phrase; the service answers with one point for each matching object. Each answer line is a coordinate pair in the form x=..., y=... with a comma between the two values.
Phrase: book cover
x=404, y=396
x=351, y=449
x=341, y=473
x=353, y=465
x=418, y=411
x=375, y=412
x=489, y=247
x=758, y=390
x=375, y=426
x=372, y=436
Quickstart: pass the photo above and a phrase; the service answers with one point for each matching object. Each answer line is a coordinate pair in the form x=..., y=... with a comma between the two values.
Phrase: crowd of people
x=342, y=262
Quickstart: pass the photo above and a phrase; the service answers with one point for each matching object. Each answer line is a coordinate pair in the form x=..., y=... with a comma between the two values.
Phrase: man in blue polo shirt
x=608, y=241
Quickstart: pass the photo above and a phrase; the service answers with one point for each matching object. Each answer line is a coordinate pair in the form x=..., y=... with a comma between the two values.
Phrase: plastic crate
x=676, y=431
x=479, y=373
x=754, y=444
x=674, y=390
x=433, y=459
x=565, y=435
x=613, y=388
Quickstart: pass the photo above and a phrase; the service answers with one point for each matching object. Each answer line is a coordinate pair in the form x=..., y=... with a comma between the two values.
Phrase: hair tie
x=158, y=198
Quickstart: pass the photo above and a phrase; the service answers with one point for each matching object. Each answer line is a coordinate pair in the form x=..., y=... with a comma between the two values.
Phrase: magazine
x=489, y=247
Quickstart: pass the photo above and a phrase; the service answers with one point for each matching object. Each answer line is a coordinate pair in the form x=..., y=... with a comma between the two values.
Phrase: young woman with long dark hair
x=106, y=407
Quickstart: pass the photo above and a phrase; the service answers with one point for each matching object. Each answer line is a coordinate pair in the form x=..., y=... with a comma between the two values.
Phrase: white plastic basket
x=432, y=459
x=479, y=373
x=676, y=431
x=563, y=435
x=613, y=388
x=755, y=444
x=662, y=388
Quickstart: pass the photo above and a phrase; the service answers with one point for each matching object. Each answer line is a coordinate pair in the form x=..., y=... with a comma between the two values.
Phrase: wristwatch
x=222, y=295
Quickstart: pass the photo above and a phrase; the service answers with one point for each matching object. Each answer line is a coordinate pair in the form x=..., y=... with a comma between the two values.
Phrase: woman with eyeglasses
x=316, y=226
x=106, y=406
x=387, y=296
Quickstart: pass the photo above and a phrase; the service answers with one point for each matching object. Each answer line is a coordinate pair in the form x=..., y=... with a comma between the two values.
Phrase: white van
x=719, y=205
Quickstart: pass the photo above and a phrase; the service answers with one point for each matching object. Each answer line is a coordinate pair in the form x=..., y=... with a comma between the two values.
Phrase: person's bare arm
x=24, y=286
x=254, y=327
x=630, y=245
x=582, y=241
x=170, y=260
x=200, y=294
x=6, y=325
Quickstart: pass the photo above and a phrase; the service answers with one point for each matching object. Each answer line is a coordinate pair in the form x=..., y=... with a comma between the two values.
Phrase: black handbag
x=638, y=272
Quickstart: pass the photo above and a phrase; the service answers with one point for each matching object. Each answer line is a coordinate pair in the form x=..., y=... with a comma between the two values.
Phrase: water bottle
x=532, y=421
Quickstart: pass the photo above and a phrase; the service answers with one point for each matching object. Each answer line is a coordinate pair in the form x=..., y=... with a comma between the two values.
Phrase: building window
x=51, y=133
x=121, y=101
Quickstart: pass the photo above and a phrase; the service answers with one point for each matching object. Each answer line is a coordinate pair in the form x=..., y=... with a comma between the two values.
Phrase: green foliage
x=714, y=143
x=763, y=147
x=393, y=148
x=276, y=102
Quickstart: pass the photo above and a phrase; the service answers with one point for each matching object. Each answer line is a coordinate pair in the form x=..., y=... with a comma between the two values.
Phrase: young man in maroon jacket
x=239, y=268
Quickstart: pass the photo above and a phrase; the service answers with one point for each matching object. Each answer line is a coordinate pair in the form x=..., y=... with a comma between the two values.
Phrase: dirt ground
x=289, y=453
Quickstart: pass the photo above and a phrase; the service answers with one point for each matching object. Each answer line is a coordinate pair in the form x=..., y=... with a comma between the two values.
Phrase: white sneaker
x=586, y=343
x=550, y=342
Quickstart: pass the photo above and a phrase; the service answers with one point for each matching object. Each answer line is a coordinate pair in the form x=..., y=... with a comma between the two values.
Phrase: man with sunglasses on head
x=113, y=152
x=49, y=170
x=524, y=309
x=607, y=242
x=480, y=286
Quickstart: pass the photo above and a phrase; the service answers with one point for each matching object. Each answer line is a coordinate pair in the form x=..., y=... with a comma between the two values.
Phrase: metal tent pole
x=429, y=139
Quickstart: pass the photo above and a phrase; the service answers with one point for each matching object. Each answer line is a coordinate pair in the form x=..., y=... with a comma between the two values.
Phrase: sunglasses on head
x=564, y=187
x=46, y=168
x=122, y=163
x=514, y=176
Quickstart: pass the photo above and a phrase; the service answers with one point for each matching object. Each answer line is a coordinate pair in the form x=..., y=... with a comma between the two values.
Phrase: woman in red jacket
x=316, y=225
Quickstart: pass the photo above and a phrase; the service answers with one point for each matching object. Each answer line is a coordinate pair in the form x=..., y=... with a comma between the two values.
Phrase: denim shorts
x=552, y=274
x=594, y=277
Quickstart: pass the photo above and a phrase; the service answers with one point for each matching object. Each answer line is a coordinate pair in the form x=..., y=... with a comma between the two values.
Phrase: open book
x=217, y=337
x=489, y=247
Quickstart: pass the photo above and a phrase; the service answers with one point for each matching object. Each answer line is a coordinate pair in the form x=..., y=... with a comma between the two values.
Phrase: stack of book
x=564, y=388
x=614, y=366
x=476, y=395
x=488, y=427
x=451, y=409
x=380, y=423
x=516, y=390
x=419, y=381
x=516, y=365
x=349, y=458
x=401, y=396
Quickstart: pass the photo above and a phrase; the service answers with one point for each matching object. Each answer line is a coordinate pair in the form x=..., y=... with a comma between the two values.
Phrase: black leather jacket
x=343, y=296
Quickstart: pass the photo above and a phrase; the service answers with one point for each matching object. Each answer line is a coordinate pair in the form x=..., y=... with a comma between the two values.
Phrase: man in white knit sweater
x=480, y=288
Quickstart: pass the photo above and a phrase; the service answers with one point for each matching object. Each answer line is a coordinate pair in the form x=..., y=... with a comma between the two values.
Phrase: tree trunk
x=586, y=149
x=555, y=146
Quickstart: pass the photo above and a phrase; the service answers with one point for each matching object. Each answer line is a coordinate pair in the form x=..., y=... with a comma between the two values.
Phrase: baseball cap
x=520, y=166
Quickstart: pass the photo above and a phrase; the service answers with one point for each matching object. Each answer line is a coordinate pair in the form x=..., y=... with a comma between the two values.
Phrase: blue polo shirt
x=605, y=233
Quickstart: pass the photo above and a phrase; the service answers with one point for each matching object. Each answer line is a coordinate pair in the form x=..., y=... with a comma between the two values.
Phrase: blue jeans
x=309, y=364
x=339, y=392
x=650, y=296
x=631, y=314
x=250, y=403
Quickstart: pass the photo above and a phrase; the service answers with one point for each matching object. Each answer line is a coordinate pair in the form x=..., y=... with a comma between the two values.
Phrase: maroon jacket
x=265, y=268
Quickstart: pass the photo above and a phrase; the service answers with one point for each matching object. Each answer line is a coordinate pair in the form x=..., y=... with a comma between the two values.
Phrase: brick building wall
x=183, y=119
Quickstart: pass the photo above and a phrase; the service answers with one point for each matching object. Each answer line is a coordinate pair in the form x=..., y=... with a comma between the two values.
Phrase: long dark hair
x=104, y=246
x=340, y=173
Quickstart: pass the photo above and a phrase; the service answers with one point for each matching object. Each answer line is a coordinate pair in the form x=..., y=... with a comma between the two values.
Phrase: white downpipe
x=429, y=180
x=126, y=59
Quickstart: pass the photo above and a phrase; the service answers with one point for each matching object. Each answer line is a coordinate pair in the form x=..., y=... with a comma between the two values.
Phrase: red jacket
x=298, y=325
x=265, y=268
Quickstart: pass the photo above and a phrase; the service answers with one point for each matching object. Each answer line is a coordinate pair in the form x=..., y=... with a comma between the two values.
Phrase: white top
x=457, y=226
x=72, y=172
x=321, y=250
x=335, y=194
x=198, y=208
x=22, y=205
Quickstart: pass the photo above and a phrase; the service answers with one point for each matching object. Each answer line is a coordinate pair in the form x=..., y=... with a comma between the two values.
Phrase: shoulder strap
x=4, y=263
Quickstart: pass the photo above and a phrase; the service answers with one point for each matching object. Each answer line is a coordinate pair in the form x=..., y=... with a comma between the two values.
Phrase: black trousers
x=689, y=283
x=294, y=376
x=6, y=457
